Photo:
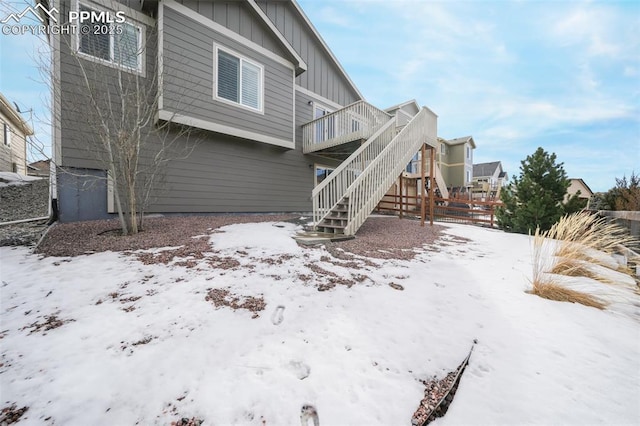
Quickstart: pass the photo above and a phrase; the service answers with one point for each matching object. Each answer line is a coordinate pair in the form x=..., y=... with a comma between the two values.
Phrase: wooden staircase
x=336, y=221
x=344, y=200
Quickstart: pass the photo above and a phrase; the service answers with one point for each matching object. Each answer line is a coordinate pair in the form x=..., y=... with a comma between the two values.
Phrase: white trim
x=293, y=103
x=160, y=57
x=301, y=63
x=142, y=48
x=216, y=48
x=317, y=166
x=326, y=47
x=111, y=208
x=221, y=128
x=172, y=4
x=320, y=98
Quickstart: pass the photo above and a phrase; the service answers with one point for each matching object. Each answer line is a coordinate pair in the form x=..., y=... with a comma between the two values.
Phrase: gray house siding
x=322, y=76
x=188, y=80
x=223, y=173
x=238, y=17
x=226, y=174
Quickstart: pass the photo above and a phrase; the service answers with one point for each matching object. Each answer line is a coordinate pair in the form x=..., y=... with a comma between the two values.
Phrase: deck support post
x=423, y=207
x=432, y=153
x=401, y=206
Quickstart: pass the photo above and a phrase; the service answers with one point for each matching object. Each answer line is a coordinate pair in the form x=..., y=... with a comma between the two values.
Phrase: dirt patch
x=387, y=238
x=50, y=322
x=77, y=238
x=11, y=414
x=223, y=297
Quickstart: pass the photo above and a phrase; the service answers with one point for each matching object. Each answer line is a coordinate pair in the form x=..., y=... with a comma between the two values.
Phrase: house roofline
x=461, y=140
x=398, y=106
x=584, y=183
x=14, y=116
x=326, y=47
x=301, y=65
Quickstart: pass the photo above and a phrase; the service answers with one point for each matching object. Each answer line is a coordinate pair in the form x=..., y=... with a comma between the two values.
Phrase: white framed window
x=7, y=134
x=468, y=177
x=321, y=173
x=443, y=149
x=238, y=80
x=468, y=152
x=325, y=128
x=116, y=44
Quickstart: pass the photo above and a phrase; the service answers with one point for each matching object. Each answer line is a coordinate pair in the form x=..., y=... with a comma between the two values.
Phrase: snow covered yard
x=118, y=338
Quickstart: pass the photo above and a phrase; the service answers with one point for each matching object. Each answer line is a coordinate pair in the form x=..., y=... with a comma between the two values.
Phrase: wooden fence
x=456, y=210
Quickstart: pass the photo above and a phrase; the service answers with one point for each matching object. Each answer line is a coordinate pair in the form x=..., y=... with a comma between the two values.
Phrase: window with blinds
x=118, y=44
x=239, y=80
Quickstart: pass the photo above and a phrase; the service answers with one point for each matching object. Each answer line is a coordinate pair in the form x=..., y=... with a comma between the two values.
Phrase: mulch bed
x=77, y=238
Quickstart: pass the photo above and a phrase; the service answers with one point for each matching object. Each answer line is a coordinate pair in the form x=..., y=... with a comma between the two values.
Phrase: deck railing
x=331, y=190
x=371, y=185
x=359, y=120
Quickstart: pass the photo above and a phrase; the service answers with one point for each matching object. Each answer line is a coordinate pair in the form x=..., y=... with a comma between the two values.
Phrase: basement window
x=238, y=80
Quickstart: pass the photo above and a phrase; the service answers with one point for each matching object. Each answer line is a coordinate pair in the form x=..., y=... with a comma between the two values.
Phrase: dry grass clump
x=553, y=291
x=579, y=245
x=582, y=233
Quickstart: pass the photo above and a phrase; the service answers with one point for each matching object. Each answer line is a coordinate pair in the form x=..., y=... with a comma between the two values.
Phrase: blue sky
x=513, y=74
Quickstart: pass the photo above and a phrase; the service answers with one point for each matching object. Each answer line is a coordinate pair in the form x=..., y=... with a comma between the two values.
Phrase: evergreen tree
x=534, y=199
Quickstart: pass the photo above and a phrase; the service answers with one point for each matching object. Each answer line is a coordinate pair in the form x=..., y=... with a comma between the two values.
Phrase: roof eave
x=326, y=47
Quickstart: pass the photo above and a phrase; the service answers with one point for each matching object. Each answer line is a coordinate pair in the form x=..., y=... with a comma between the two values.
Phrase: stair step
x=326, y=225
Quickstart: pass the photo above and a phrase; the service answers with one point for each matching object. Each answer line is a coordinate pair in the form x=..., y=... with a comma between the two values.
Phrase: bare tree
x=113, y=107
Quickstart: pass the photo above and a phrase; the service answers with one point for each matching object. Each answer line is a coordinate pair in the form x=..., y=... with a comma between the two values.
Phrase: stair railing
x=332, y=189
x=371, y=185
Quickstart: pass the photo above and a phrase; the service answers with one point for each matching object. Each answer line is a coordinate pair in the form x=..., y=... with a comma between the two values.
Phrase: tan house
x=575, y=185
x=13, y=149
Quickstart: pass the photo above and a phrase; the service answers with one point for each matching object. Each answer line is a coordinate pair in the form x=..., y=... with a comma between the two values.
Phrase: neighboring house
x=39, y=168
x=455, y=159
x=489, y=178
x=276, y=113
x=578, y=185
x=13, y=149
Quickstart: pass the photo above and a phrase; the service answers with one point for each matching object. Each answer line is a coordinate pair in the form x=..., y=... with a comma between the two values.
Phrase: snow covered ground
x=141, y=344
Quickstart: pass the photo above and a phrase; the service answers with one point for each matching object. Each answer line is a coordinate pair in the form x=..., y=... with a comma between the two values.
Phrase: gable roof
x=463, y=139
x=400, y=106
x=301, y=65
x=14, y=116
x=583, y=183
x=324, y=45
x=486, y=169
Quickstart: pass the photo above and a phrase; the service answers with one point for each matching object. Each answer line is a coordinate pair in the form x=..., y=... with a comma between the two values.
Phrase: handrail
x=358, y=120
x=331, y=191
x=370, y=186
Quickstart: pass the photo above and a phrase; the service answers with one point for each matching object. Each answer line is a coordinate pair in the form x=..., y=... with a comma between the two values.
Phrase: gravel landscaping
x=20, y=200
x=379, y=237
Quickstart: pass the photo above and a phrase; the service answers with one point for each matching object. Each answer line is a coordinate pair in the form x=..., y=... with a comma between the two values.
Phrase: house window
x=322, y=172
x=468, y=176
x=239, y=80
x=7, y=135
x=443, y=149
x=468, y=152
x=121, y=47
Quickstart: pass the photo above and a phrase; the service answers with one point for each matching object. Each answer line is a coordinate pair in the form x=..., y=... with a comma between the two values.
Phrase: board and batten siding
x=237, y=16
x=188, y=56
x=322, y=76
